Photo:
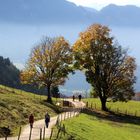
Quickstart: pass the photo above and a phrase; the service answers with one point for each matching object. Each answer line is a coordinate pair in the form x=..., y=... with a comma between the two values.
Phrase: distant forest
x=10, y=76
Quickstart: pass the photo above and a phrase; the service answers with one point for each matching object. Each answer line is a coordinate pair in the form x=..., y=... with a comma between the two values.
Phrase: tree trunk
x=49, y=99
x=103, y=103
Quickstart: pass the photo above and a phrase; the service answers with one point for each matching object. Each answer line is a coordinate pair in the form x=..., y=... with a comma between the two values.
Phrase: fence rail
x=117, y=110
x=61, y=128
x=40, y=132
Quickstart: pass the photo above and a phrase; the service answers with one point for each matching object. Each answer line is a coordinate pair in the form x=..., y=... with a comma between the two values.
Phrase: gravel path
x=41, y=124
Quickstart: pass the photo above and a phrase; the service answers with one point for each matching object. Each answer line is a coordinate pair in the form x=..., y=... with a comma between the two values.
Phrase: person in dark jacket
x=73, y=97
x=31, y=120
x=80, y=97
x=47, y=119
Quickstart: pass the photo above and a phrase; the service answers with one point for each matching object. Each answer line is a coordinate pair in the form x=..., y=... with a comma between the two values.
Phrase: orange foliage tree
x=49, y=64
x=107, y=66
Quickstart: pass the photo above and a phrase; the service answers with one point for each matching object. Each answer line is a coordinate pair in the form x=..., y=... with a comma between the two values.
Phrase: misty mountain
x=91, y=10
x=62, y=11
x=41, y=11
x=119, y=15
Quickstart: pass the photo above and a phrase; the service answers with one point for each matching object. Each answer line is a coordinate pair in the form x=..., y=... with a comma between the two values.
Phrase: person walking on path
x=73, y=97
x=79, y=97
x=31, y=120
x=47, y=119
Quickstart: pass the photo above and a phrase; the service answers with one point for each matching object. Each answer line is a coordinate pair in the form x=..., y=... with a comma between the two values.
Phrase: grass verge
x=90, y=127
x=17, y=105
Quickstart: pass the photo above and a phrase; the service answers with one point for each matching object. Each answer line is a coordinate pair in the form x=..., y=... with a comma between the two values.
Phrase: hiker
x=31, y=120
x=79, y=97
x=47, y=119
x=73, y=97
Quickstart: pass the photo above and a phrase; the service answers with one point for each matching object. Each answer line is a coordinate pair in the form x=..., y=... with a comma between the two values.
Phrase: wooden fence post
x=126, y=112
x=136, y=113
x=51, y=133
x=44, y=133
x=61, y=116
x=64, y=129
x=30, y=134
x=40, y=133
x=117, y=110
x=57, y=121
x=64, y=115
x=61, y=131
x=58, y=133
x=87, y=104
x=91, y=105
x=19, y=133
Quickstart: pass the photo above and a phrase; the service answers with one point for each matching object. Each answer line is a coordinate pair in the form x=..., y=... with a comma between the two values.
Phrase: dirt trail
x=41, y=124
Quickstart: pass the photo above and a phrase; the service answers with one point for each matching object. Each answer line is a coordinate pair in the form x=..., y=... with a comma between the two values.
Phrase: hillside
x=17, y=105
x=64, y=12
x=101, y=127
x=9, y=74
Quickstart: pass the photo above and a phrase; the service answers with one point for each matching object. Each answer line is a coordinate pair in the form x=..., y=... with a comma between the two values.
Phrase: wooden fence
x=71, y=112
x=61, y=128
x=94, y=106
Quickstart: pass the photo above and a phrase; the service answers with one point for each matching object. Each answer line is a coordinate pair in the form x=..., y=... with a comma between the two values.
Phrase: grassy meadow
x=130, y=107
x=17, y=105
x=92, y=127
x=99, y=125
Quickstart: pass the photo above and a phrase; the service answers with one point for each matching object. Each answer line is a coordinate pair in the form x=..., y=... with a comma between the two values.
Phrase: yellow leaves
x=129, y=66
x=94, y=36
x=24, y=77
x=47, y=61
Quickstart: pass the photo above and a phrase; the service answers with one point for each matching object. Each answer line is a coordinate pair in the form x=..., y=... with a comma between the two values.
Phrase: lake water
x=16, y=42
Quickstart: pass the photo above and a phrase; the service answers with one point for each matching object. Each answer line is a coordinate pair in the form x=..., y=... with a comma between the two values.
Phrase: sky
x=98, y=4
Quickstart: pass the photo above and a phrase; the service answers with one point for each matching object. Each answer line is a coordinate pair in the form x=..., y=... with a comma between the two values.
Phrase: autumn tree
x=107, y=66
x=49, y=64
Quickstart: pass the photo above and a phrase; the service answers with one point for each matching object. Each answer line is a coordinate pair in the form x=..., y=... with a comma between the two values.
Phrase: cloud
x=101, y=3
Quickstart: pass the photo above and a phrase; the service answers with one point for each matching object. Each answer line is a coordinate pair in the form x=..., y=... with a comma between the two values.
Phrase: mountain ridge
x=64, y=12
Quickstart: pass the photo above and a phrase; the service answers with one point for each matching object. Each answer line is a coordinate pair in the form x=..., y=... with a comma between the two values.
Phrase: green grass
x=88, y=127
x=131, y=107
x=17, y=105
